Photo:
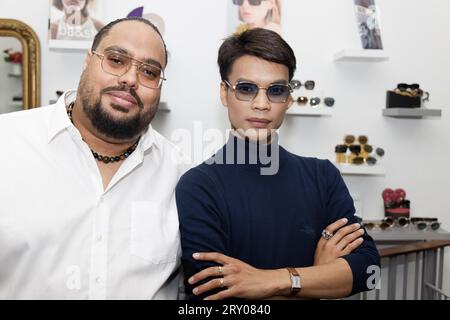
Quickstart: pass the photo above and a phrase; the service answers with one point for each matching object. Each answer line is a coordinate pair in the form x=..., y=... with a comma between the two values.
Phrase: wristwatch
x=296, y=283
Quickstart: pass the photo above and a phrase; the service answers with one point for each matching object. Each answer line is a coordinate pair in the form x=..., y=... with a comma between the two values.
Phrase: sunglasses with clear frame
x=117, y=64
x=251, y=2
x=247, y=91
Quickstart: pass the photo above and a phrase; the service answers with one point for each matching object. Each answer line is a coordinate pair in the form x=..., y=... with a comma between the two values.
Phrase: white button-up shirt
x=62, y=236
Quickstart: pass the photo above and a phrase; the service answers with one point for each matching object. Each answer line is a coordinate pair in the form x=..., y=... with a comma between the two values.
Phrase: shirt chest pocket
x=154, y=232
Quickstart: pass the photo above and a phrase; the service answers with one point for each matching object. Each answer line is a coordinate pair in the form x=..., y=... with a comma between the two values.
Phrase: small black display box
x=394, y=100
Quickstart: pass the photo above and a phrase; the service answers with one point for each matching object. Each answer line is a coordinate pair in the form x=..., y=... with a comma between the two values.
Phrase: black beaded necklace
x=106, y=159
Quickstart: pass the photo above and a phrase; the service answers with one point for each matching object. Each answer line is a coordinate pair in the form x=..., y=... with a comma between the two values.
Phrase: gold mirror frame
x=30, y=60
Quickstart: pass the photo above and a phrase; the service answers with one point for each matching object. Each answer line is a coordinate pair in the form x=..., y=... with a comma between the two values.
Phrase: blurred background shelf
x=411, y=113
x=307, y=111
x=367, y=55
x=360, y=170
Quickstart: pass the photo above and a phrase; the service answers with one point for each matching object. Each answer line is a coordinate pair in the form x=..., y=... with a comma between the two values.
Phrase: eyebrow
x=125, y=52
x=280, y=81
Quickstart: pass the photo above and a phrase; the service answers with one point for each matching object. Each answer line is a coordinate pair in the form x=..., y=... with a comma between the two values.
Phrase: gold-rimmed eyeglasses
x=117, y=64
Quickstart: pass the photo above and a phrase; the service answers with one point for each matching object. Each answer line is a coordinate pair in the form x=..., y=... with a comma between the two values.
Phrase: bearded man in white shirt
x=87, y=207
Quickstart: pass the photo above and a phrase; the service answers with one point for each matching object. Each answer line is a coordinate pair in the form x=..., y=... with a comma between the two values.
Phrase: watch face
x=295, y=283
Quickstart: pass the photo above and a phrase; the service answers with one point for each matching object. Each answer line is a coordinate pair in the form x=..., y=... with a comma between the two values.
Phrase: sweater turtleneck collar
x=255, y=155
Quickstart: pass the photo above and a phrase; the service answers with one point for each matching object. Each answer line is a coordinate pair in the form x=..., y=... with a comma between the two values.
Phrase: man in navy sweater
x=257, y=221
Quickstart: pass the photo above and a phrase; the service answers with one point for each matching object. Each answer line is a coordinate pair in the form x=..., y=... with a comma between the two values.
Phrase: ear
x=87, y=59
x=290, y=102
x=224, y=94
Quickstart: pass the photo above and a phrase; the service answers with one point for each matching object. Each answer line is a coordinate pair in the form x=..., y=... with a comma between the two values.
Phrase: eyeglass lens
x=118, y=64
x=277, y=93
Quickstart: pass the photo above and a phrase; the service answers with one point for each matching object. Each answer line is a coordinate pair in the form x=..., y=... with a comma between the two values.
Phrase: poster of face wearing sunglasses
x=368, y=24
x=249, y=14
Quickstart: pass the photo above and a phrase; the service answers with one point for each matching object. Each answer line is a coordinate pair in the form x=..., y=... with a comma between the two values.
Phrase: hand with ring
x=337, y=241
x=237, y=278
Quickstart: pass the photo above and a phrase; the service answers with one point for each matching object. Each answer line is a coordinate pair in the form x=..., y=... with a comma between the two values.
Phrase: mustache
x=127, y=89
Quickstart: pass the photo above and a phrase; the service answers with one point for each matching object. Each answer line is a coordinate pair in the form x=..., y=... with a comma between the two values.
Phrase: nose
x=130, y=78
x=261, y=101
x=245, y=4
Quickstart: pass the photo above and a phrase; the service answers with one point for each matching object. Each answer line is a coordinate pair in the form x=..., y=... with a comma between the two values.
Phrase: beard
x=125, y=128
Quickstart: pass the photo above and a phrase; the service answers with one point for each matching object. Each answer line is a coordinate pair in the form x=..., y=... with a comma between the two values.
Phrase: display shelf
x=14, y=75
x=366, y=55
x=411, y=113
x=360, y=170
x=308, y=111
x=408, y=233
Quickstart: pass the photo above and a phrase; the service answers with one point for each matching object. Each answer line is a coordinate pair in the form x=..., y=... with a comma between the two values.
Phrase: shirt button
x=98, y=280
x=99, y=237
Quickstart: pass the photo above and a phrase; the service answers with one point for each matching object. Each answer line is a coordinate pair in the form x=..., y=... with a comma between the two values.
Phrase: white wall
x=414, y=34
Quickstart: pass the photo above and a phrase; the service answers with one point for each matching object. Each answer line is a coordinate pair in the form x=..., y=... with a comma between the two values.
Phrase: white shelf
x=363, y=55
x=360, y=170
x=411, y=113
x=308, y=111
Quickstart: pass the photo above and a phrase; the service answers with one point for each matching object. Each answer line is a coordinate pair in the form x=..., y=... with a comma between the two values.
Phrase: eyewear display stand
x=413, y=258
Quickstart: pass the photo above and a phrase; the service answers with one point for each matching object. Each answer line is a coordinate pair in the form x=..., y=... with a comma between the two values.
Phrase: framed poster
x=368, y=24
x=248, y=14
x=74, y=23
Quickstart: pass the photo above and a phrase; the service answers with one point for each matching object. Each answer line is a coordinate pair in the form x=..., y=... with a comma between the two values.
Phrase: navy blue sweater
x=267, y=221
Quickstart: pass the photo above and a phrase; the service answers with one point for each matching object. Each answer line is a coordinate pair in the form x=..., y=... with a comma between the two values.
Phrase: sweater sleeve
x=200, y=211
x=340, y=205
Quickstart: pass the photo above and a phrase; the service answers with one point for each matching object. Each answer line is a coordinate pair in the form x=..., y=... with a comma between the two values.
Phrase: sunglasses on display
x=117, y=64
x=313, y=101
x=386, y=223
x=404, y=86
x=247, y=91
x=329, y=102
x=377, y=225
x=251, y=2
x=297, y=84
x=423, y=223
x=371, y=161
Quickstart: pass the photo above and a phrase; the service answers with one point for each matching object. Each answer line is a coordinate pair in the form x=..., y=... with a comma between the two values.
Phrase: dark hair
x=104, y=31
x=59, y=5
x=261, y=43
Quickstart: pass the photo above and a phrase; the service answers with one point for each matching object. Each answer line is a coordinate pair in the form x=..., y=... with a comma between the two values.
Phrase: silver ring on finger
x=220, y=271
x=221, y=281
x=327, y=235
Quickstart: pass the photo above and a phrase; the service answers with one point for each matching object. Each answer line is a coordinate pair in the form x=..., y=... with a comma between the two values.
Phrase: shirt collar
x=60, y=121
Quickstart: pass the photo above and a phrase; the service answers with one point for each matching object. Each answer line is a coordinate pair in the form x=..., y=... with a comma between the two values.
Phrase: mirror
x=23, y=79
